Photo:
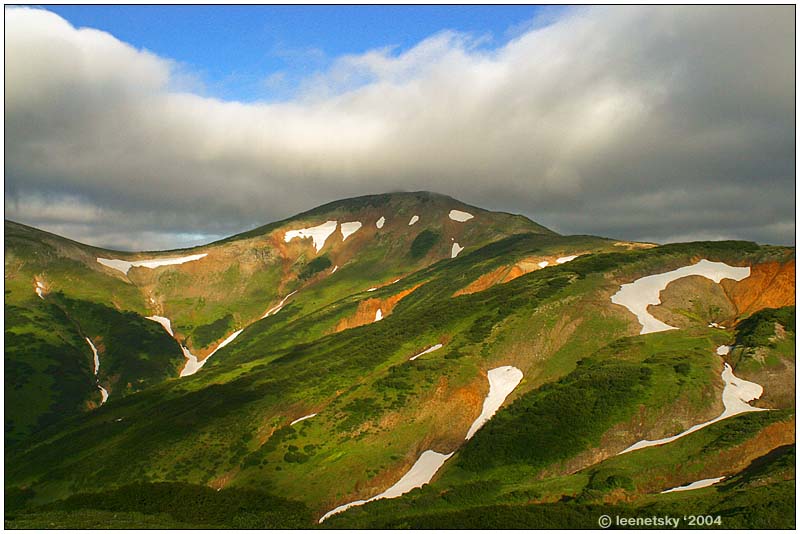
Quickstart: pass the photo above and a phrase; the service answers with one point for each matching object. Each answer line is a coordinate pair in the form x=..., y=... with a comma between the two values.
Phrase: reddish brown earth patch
x=770, y=285
x=365, y=314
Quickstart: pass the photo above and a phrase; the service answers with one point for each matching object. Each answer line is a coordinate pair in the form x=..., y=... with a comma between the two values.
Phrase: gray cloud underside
x=638, y=123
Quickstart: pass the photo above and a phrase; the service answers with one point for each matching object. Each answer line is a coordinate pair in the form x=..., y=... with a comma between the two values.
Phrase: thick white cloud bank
x=660, y=123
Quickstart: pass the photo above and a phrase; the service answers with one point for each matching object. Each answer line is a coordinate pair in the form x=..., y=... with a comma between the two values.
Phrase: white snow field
x=460, y=216
x=125, y=266
x=502, y=382
x=565, y=259
x=319, y=234
x=378, y=315
x=543, y=264
x=455, y=250
x=380, y=222
x=736, y=395
x=163, y=321
x=103, y=392
x=420, y=474
x=349, y=228
x=426, y=351
x=309, y=416
x=275, y=309
x=638, y=295
x=706, y=482
x=414, y=219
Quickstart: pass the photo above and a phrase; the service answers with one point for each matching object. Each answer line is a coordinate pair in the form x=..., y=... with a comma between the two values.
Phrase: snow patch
x=502, y=382
x=420, y=474
x=736, y=396
x=125, y=266
x=426, y=351
x=414, y=219
x=349, y=228
x=565, y=259
x=638, y=295
x=192, y=364
x=39, y=289
x=103, y=392
x=309, y=416
x=716, y=325
x=380, y=222
x=460, y=216
x=372, y=289
x=163, y=321
x=706, y=482
x=722, y=350
x=455, y=250
x=335, y=268
x=378, y=315
x=543, y=264
x=275, y=309
x=319, y=234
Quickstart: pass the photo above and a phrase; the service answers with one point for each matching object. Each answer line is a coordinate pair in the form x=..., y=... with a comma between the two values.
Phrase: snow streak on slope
x=125, y=266
x=736, y=396
x=275, y=309
x=309, y=416
x=163, y=321
x=420, y=474
x=414, y=219
x=319, y=234
x=706, y=482
x=349, y=228
x=460, y=216
x=638, y=295
x=426, y=351
x=103, y=392
x=502, y=382
x=39, y=289
x=565, y=259
x=455, y=250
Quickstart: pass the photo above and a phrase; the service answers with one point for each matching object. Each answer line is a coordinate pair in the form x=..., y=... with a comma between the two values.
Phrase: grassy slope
x=375, y=408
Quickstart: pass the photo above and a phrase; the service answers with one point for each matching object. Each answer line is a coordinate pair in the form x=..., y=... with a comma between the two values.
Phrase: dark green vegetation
x=155, y=454
x=182, y=505
x=758, y=330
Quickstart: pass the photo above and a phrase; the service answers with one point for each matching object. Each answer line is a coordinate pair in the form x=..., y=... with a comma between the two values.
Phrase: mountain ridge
x=330, y=366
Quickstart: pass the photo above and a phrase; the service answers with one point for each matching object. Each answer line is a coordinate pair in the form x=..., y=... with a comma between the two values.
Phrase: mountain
x=365, y=346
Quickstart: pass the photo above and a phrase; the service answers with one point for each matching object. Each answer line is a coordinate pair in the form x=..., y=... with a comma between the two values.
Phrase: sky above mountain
x=137, y=127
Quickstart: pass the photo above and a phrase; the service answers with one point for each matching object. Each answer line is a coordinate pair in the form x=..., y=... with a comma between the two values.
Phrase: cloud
x=636, y=123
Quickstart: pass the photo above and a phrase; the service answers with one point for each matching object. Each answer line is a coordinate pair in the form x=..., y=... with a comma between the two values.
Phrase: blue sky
x=235, y=49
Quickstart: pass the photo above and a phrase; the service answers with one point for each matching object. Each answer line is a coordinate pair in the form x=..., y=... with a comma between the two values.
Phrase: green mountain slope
x=336, y=349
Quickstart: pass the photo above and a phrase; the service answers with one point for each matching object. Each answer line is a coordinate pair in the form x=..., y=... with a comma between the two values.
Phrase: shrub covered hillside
x=269, y=378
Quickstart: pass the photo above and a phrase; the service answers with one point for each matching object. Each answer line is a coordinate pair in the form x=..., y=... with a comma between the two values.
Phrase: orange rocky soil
x=770, y=285
x=367, y=309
